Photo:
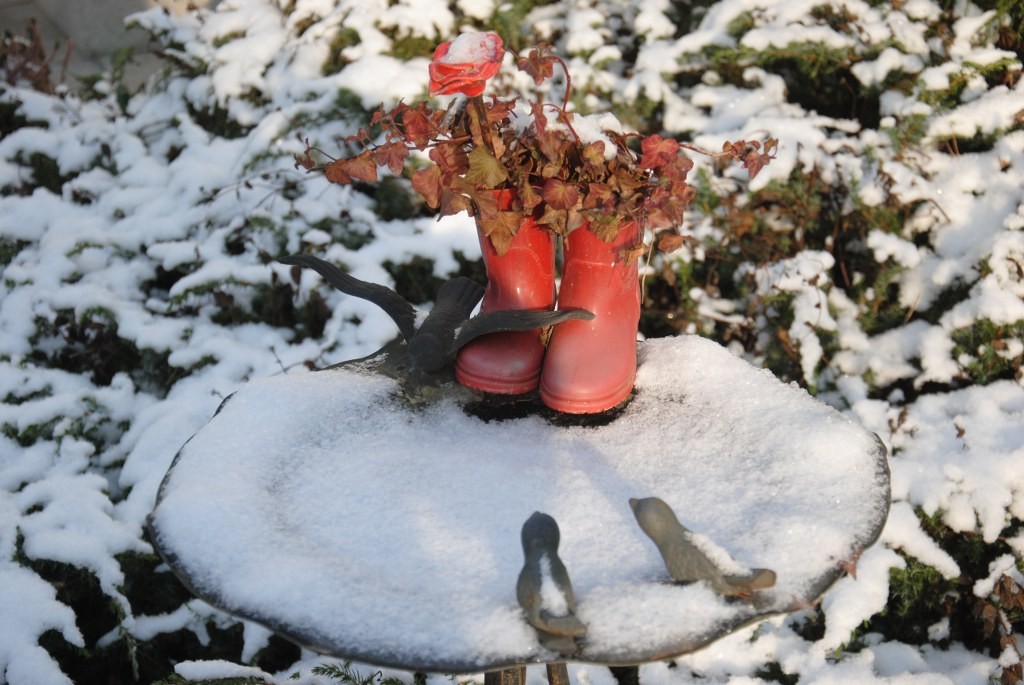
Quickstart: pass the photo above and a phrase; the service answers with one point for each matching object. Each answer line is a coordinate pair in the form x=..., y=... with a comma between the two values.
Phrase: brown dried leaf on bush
x=539, y=63
x=559, y=194
x=562, y=221
x=755, y=160
x=669, y=241
x=427, y=182
x=989, y=616
x=391, y=155
x=362, y=167
x=657, y=151
x=1012, y=675
x=305, y=160
x=25, y=60
x=1011, y=595
x=484, y=170
x=633, y=252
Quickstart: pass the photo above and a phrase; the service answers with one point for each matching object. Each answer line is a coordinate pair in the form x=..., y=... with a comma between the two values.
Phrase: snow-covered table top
x=322, y=506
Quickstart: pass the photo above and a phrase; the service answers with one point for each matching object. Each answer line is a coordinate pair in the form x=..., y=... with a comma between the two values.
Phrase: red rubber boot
x=522, y=278
x=590, y=366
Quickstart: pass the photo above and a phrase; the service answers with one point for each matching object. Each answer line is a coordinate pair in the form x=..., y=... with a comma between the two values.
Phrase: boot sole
x=497, y=386
x=575, y=405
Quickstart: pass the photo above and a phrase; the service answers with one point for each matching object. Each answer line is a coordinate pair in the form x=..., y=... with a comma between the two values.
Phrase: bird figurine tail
x=744, y=586
x=567, y=626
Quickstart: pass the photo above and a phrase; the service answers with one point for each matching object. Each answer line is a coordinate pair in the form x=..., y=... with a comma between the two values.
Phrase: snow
x=217, y=669
x=551, y=597
x=874, y=72
x=472, y=48
x=163, y=227
x=30, y=607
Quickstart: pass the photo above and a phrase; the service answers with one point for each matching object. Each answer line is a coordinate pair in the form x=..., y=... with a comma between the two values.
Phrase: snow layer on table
x=322, y=505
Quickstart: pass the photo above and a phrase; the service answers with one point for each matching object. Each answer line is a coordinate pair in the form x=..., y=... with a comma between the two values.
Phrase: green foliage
x=178, y=680
x=345, y=674
x=45, y=171
x=151, y=589
x=781, y=352
x=408, y=47
x=1004, y=71
x=394, y=199
x=817, y=77
x=9, y=249
x=11, y=116
x=223, y=40
x=149, y=586
x=344, y=38
x=97, y=614
x=346, y=232
x=347, y=104
x=668, y=307
x=740, y=24
x=881, y=310
x=415, y=279
x=772, y=672
x=235, y=303
x=706, y=200
x=920, y=597
x=987, y=347
x=509, y=22
x=26, y=436
x=416, y=282
x=97, y=86
x=188, y=66
x=1007, y=24
x=218, y=121
x=275, y=304
x=802, y=216
x=916, y=598
x=90, y=345
x=637, y=115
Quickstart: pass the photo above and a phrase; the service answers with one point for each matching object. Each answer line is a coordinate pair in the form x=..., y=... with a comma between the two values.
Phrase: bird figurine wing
x=453, y=305
x=506, y=320
x=393, y=304
x=431, y=346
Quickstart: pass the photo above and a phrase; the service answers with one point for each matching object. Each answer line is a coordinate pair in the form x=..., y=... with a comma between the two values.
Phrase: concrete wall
x=95, y=28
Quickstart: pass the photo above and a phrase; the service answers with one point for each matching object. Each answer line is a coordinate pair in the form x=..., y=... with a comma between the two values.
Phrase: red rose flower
x=463, y=65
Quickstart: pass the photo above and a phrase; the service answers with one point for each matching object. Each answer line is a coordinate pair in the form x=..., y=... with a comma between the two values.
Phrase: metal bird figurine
x=685, y=561
x=423, y=354
x=543, y=589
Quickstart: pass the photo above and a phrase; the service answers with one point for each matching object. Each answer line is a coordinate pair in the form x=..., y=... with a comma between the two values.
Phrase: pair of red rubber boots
x=588, y=366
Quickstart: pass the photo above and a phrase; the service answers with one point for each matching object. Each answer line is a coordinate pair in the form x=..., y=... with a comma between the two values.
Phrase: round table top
x=327, y=508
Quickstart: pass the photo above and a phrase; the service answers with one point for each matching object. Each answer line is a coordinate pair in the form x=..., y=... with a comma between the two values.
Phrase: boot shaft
x=590, y=366
x=523, y=277
x=584, y=245
x=596, y=271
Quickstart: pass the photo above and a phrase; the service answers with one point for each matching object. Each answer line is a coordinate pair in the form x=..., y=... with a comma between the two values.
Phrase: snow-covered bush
x=878, y=261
